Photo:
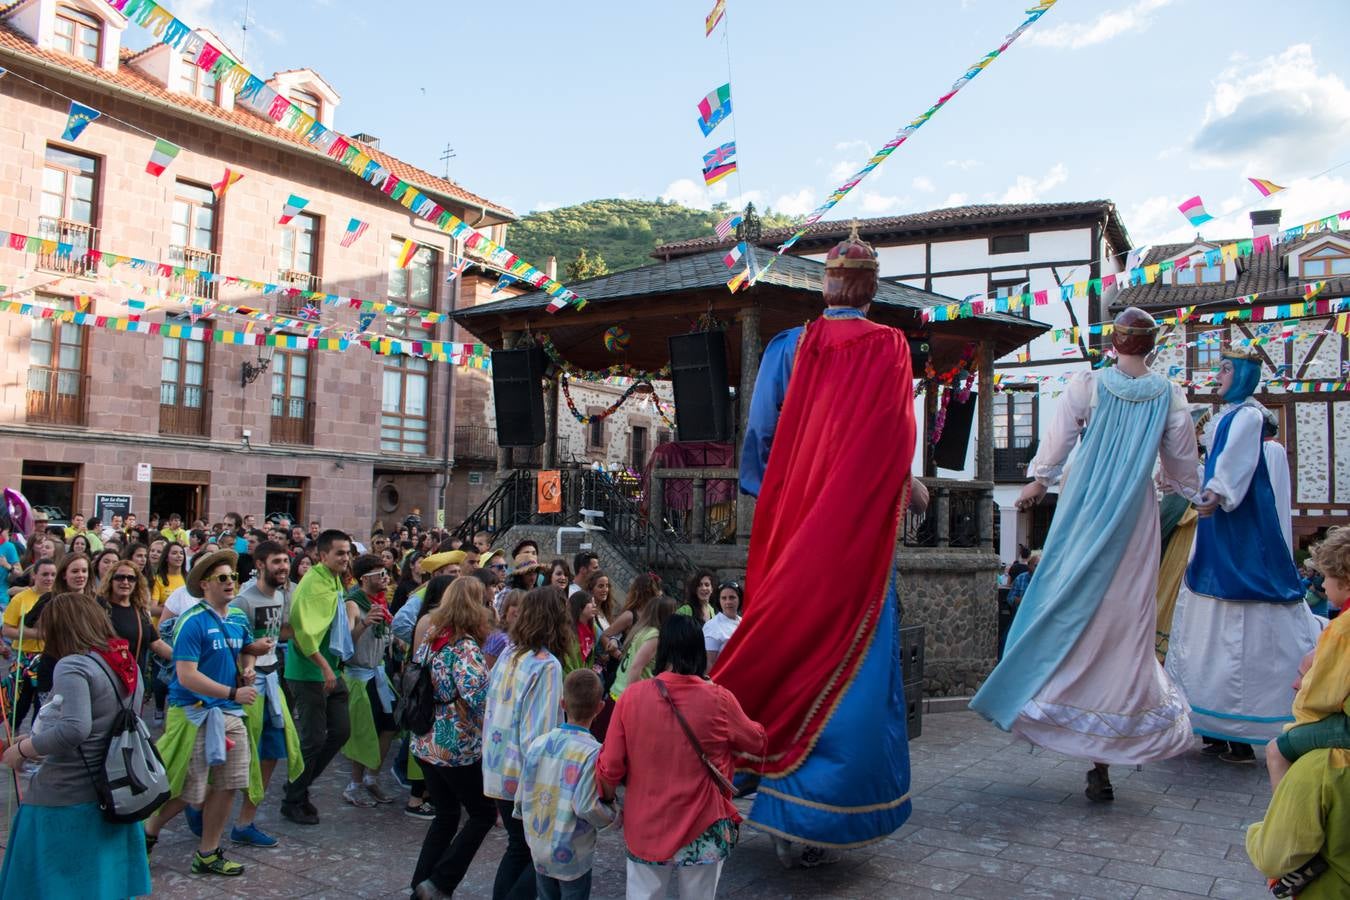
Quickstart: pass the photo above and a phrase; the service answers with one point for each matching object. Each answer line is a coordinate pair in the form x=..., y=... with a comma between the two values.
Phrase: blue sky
x=1144, y=102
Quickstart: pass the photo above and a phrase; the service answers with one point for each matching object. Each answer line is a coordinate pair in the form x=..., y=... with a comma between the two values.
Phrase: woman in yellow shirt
x=44, y=576
x=168, y=579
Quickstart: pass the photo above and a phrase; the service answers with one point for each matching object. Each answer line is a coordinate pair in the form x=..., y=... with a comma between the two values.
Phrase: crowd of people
x=518, y=691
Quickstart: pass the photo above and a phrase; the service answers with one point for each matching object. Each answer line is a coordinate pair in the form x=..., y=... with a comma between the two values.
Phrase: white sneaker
x=373, y=788
x=357, y=796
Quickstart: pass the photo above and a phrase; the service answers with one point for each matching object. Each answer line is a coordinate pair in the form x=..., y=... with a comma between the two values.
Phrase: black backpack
x=416, y=709
x=132, y=782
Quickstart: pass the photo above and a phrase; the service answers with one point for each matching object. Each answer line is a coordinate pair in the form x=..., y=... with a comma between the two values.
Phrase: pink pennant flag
x=1194, y=210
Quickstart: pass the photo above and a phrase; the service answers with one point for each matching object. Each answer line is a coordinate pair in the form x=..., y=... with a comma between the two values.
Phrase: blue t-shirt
x=10, y=554
x=213, y=643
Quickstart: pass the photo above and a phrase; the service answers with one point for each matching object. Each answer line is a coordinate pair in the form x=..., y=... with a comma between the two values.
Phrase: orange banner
x=549, y=491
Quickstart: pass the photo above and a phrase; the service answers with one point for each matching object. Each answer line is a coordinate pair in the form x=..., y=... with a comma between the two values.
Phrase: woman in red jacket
x=678, y=814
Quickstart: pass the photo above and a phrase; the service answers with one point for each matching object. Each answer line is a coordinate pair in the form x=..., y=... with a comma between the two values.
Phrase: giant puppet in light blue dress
x=1241, y=626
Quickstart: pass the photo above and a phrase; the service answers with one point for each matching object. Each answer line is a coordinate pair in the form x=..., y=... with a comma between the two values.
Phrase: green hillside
x=622, y=232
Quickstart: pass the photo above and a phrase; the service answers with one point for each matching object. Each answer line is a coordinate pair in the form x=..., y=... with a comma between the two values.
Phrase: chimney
x=369, y=140
x=1265, y=221
x=552, y=268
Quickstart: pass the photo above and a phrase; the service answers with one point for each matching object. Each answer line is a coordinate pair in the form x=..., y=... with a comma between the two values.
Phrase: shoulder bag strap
x=721, y=780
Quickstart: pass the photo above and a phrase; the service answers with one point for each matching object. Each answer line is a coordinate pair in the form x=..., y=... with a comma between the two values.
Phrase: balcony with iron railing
x=195, y=263
x=292, y=421
x=960, y=515
x=184, y=410
x=57, y=396
x=478, y=444
x=1010, y=463
x=73, y=242
x=289, y=303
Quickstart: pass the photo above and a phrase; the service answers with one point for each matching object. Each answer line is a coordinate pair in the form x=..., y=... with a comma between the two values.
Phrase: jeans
x=554, y=889
x=323, y=724
x=445, y=856
x=515, y=873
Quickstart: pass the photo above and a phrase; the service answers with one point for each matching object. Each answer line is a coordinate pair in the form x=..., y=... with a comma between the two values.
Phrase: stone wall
x=953, y=594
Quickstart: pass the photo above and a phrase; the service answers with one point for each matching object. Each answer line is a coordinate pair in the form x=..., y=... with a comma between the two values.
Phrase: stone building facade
x=191, y=426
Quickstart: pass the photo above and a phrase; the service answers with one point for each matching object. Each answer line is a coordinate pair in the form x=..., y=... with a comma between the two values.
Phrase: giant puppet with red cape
x=816, y=660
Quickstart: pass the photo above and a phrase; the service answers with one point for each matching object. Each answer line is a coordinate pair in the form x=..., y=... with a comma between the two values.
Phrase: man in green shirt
x=320, y=643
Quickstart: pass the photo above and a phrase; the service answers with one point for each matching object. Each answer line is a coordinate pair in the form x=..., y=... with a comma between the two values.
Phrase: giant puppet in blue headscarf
x=1240, y=627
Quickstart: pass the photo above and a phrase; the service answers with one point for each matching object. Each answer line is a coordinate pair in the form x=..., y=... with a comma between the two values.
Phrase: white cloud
x=844, y=168
x=874, y=204
x=798, y=204
x=1277, y=116
x=1156, y=220
x=1029, y=190
x=687, y=192
x=545, y=205
x=956, y=199
x=964, y=164
x=923, y=183
x=1108, y=25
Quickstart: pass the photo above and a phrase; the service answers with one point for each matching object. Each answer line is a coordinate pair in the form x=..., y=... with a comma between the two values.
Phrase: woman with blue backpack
x=62, y=816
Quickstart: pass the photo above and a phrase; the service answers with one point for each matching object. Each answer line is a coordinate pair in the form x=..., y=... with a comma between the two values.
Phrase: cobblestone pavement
x=991, y=820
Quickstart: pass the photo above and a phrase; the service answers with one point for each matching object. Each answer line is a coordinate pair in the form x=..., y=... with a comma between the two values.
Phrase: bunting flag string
x=38, y=245
x=439, y=351
x=253, y=92
x=618, y=370
x=1033, y=14
x=1139, y=275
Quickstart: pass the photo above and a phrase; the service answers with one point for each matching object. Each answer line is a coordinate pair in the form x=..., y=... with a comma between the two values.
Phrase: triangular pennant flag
x=1265, y=187
x=355, y=228
x=78, y=119
x=406, y=254
x=710, y=21
x=504, y=282
x=293, y=206
x=225, y=183
x=160, y=158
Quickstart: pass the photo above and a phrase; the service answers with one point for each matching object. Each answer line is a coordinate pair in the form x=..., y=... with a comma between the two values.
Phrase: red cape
x=833, y=488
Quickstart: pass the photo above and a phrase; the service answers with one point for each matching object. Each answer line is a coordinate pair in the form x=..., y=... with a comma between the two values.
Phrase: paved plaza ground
x=992, y=820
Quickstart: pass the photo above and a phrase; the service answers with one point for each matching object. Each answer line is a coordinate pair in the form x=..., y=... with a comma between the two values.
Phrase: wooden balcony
x=292, y=421
x=184, y=411
x=194, y=260
x=73, y=241
x=57, y=396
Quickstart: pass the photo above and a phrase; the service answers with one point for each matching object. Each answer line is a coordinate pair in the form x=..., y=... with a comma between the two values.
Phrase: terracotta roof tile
x=951, y=217
x=1263, y=273
x=129, y=79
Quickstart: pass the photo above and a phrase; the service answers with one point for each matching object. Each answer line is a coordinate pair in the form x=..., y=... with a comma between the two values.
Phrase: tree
x=586, y=265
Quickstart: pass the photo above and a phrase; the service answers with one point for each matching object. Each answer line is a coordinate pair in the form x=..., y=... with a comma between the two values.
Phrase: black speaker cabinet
x=518, y=396
x=698, y=374
x=918, y=355
x=950, y=450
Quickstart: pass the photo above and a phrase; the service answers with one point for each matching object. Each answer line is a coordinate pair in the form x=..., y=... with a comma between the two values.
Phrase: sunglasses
x=124, y=578
x=379, y=575
x=729, y=584
x=501, y=566
x=225, y=578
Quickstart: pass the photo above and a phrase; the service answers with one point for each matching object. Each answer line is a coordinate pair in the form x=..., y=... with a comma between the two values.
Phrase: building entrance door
x=181, y=491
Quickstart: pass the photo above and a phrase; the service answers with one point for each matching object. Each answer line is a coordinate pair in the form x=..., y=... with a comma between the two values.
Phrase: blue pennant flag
x=78, y=120
x=364, y=321
x=504, y=282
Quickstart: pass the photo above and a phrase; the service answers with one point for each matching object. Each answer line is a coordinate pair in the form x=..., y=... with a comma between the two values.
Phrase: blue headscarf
x=1246, y=377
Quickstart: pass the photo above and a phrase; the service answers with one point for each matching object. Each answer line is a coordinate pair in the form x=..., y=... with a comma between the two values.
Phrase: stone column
x=751, y=351
x=504, y=462
x=984, y=448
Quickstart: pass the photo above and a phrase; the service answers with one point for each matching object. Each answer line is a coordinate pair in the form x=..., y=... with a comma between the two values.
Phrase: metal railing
x=1010, y=463
x=193, y=260
x=184, y=409
x=57, y=396
x=73, y=241
x=697, y=505
x=627, y=528
x=288, y=303
x=478, y=443
x=292, y=421
x=959, y=515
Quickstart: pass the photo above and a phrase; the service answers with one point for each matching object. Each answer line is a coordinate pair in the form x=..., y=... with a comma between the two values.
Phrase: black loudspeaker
x=918, y=354
x=518, y=396
x=950, y=450
x=698, y=374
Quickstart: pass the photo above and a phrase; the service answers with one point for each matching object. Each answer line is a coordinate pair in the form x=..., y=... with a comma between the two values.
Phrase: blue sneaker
x=253, y=836
x=194, y=820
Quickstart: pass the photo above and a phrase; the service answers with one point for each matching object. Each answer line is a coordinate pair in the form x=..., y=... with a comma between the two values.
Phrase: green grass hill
x=622, y=232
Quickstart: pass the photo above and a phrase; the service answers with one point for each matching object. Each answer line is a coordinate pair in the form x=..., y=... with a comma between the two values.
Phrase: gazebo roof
x=656, y=301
